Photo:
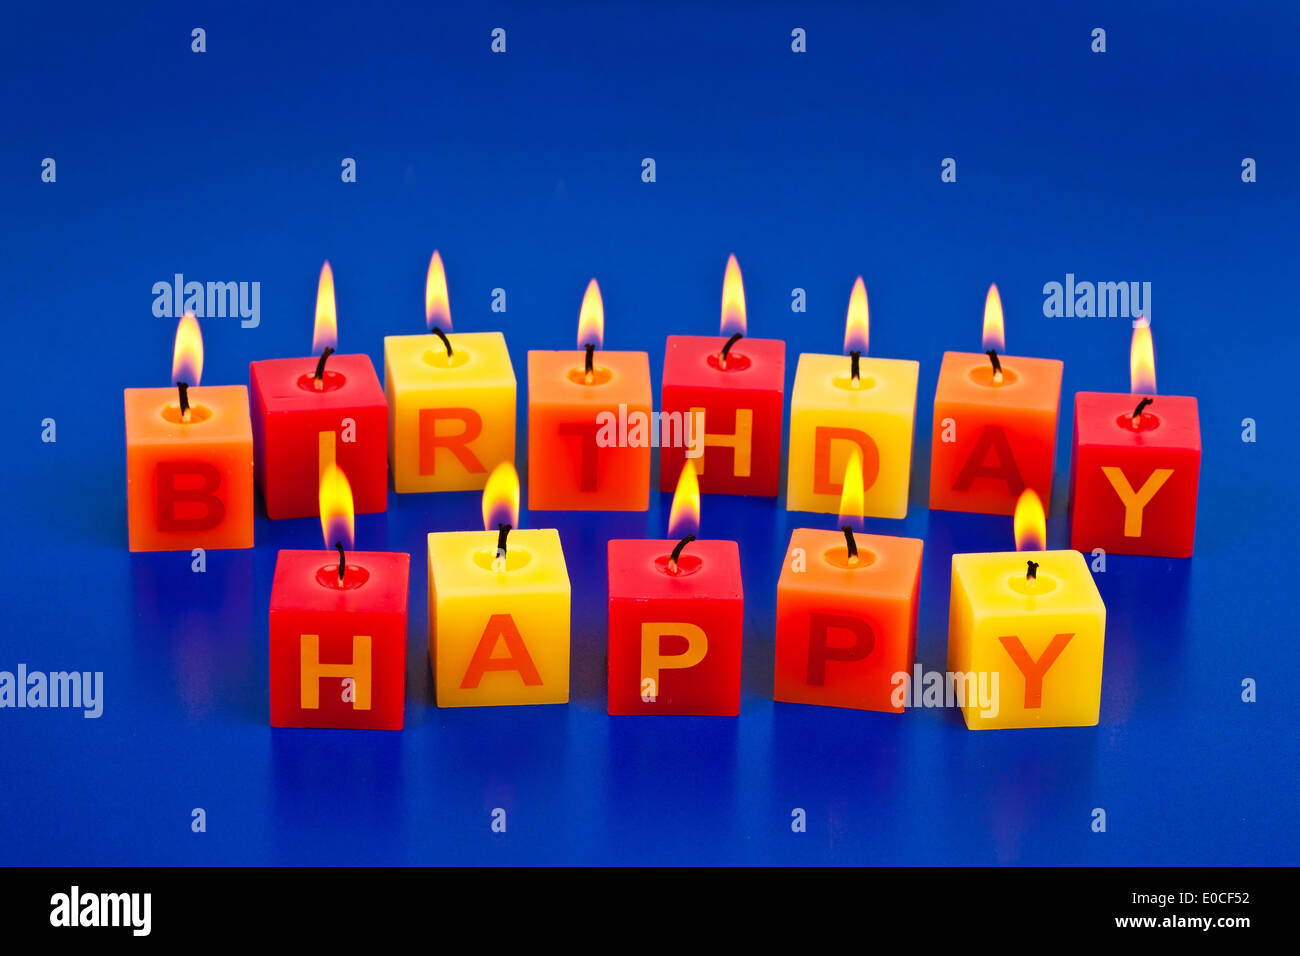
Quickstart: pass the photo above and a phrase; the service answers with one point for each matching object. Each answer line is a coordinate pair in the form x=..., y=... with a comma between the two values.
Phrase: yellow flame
x=325, y=333
x=733, y=299
x=1142, y=362
x=336, y=507
x=437, y=304
x=187, y=354
x=857, y=325
x=501, y=498
x=684, y=516
x=1030, y=524
x=995, y=336
x=852, y=495
x=591, y=318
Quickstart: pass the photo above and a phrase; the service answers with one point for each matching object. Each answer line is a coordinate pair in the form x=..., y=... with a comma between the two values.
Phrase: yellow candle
x=451, y=401
x=499, y=624
x=1040, y=629
x=832, y=413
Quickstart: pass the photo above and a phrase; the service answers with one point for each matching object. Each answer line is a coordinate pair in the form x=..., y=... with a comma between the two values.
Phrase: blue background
x=524, y=170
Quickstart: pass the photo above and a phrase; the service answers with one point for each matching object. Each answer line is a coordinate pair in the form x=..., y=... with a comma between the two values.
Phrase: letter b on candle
x=187, y=499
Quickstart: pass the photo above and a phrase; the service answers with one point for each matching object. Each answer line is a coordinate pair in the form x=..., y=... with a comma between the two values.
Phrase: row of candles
x=321, y=433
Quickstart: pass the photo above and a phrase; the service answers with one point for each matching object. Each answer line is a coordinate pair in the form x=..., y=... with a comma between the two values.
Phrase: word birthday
x=638, y=429
x=1103, y=300
x=79, y=689
x=209, y=300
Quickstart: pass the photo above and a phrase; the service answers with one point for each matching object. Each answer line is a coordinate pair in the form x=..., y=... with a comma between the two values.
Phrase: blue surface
x=524, y=170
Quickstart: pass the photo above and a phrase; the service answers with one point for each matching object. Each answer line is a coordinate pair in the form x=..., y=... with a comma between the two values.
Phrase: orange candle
x=189, y=458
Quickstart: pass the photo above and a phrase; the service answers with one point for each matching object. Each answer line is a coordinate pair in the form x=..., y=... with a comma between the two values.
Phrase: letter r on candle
x=471, y=426
x=311, y=670
x=740, y=441
x=652, y=657
x=1135, y=501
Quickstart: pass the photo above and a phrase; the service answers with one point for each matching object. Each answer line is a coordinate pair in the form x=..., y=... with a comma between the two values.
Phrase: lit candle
x=843, y=405
x=189, y=458
x=309, y=413
x=1137, y=463
x=589, y=422
x=451, y=399
x=994, y=424
x=338, y=626
x=1036, y=624
x=846, y=607
x=726, y=393
x=676, y=612
x=499, y=608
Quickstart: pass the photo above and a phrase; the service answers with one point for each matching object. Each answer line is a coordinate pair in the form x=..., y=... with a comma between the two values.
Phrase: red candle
x=994, y=425
x=309, y=413
x=676, y=611
x=1137, y=462
x=731, y=391
x=338, y=627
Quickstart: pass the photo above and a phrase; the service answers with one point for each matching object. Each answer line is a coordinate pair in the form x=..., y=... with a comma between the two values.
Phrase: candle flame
x=325, y=333
x=1030, y=524
x=501, y=498
x=995, y=336
x=684, y=516
x=1142, y=361
x=591, y=318
x=857, y=324
x=437, y=304
x=733, y=299
x=187, y=354
x=853, y=494
x=336, y=510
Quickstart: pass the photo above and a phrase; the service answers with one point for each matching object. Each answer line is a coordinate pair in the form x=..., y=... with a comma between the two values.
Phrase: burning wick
x=499, y=559
x=1032, y=573
x=854, y=358
x=997, y=366
x=722, y=356
x=445, y=341
x=591, y=364
x=852, y=544
x=1137, y=412
x=677, y=553
x=342, y=560
x=184, y=389
x=319, y=382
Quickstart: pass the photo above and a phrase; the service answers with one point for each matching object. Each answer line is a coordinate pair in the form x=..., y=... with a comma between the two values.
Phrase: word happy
x=211, y=300
x=1103, y=300
x=638, y=429
x=79, y=689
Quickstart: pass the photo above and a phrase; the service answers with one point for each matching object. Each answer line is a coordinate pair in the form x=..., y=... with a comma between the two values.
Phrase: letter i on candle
x=1137, y=463
x=1029, y=630
x=189, y=458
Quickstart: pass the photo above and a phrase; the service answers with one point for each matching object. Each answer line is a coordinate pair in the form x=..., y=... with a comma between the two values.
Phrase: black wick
x=848, y=540
x=184, y=389
x=320, y=365
x=722, y=360
x=677, y=551
x=342, y=559
x=1137, y=412
x=1032, y=573
x=445, y=341
x=502, y=530
x=997, y=366
x=591, y=360
x=854, y=358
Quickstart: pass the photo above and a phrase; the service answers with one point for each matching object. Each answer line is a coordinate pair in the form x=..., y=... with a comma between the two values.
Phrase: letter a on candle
x=501, y=627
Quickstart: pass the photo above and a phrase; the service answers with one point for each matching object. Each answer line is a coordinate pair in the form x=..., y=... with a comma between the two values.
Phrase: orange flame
x=187, y=354
x=501, y=498
x=1142, y=362
x=437, y=304
x=336, y=510
x=852, y=495
x=733, y=299
x=325, y=334
x=591, y=318
x=1030, y=524
x=684, y=516
x=995, y=336
x=857, y=325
